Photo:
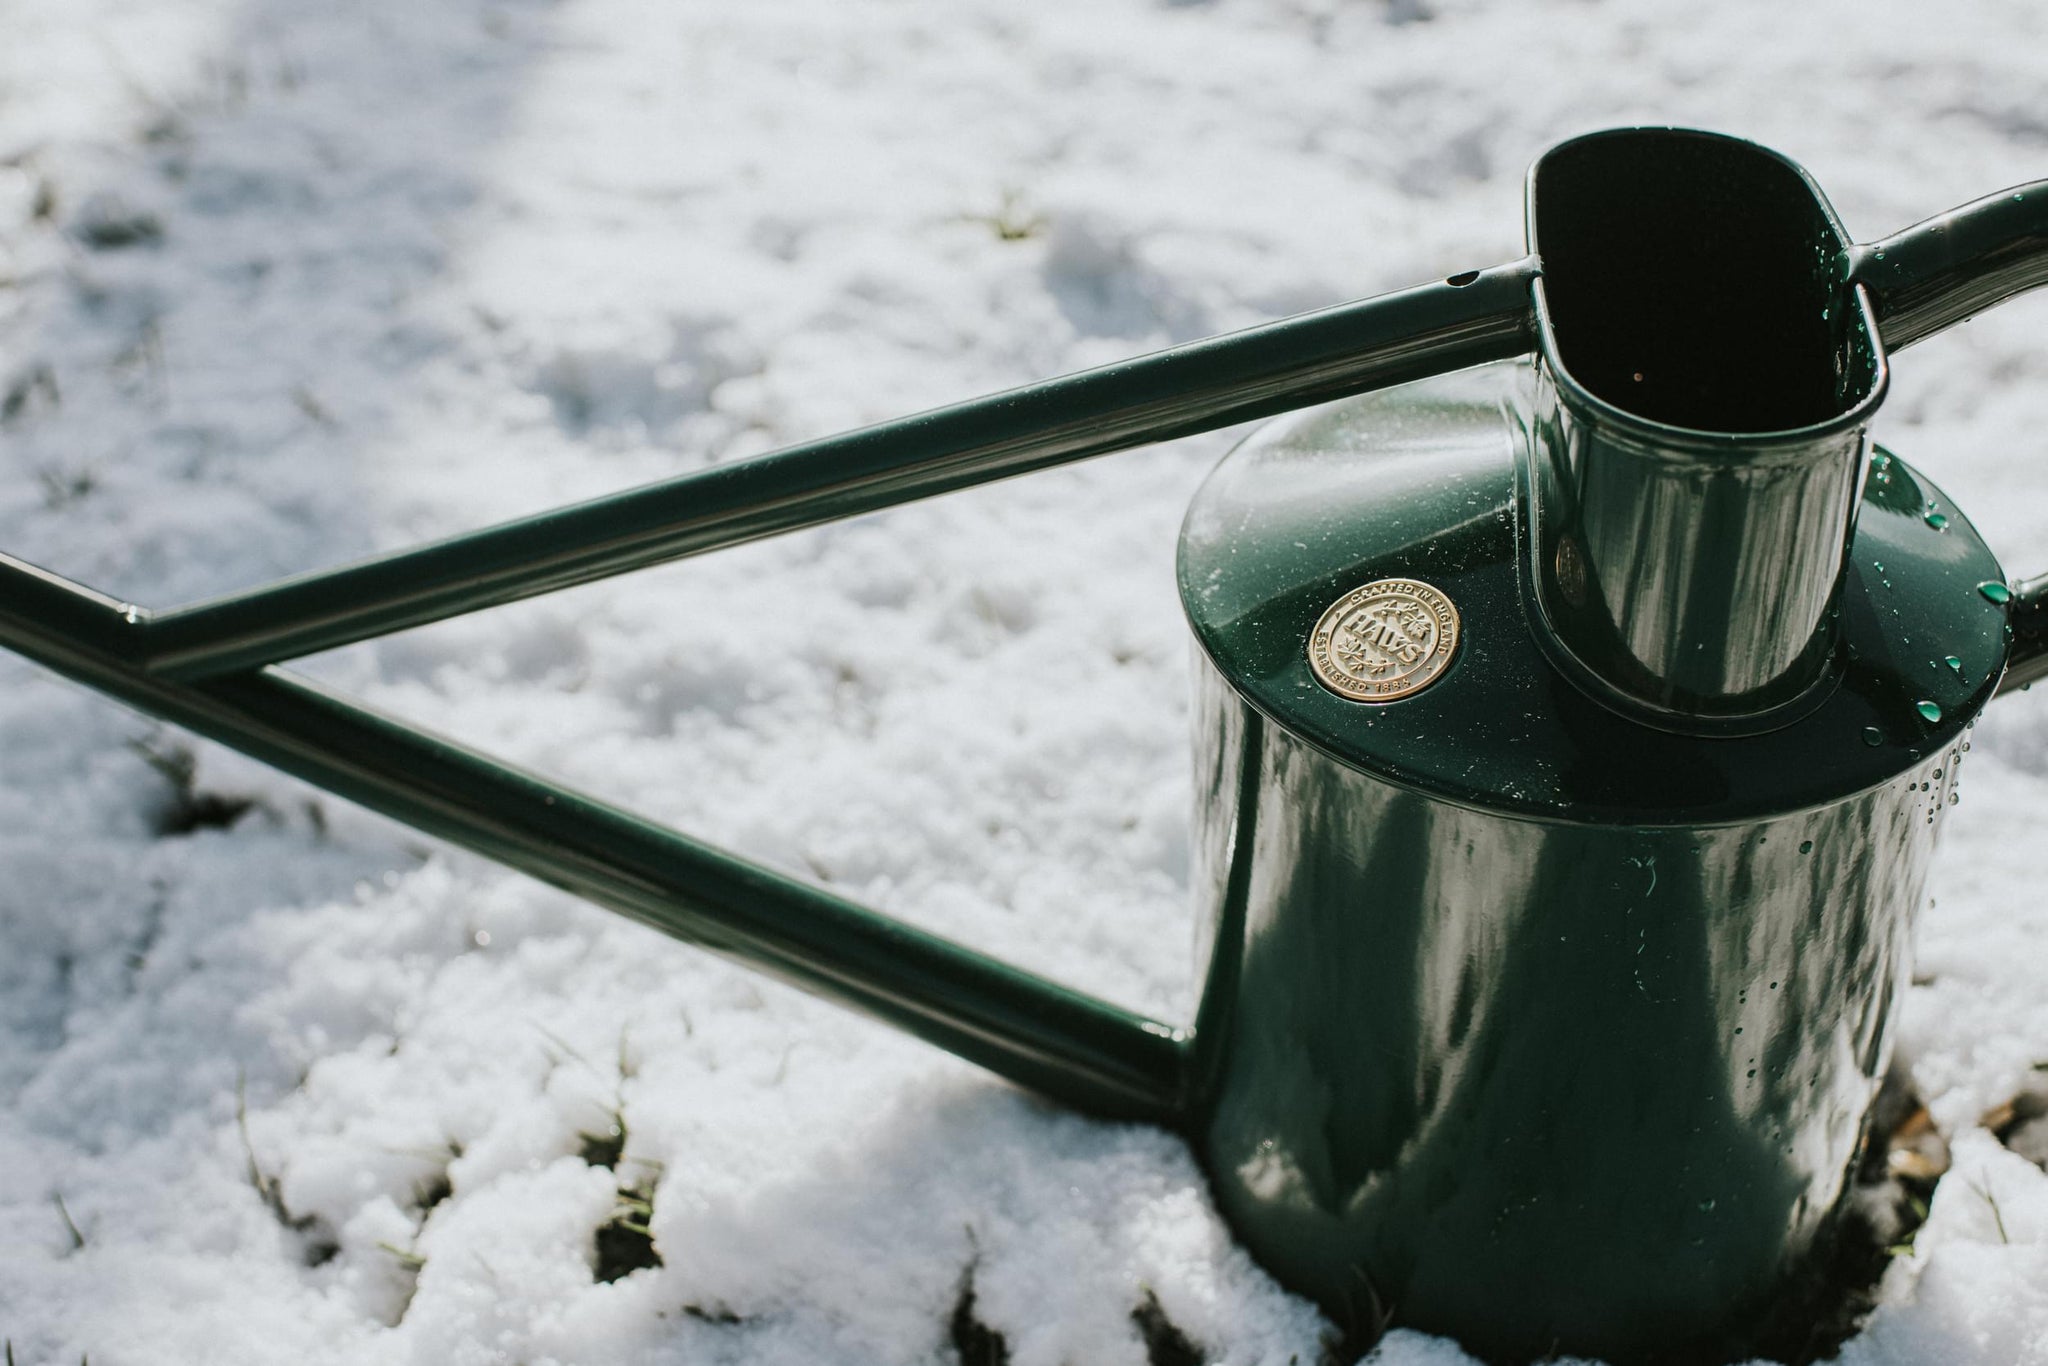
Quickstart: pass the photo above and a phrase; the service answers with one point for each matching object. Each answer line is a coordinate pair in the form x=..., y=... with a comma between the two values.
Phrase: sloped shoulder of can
x=1417, y=484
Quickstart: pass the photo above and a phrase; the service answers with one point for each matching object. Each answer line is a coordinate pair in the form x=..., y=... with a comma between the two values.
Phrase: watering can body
x=1573, y=735
x=1524, y=1020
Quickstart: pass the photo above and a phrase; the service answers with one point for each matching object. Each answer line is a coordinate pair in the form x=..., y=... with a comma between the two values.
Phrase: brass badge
x=1385, y=641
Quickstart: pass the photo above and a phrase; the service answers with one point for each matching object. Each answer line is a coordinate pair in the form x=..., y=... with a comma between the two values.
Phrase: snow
x=288, y=282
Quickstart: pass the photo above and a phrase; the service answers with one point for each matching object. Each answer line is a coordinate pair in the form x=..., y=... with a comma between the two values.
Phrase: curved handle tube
x=1468, y=320
x=1937, y=273
x=1940, y=272
x=2027, y=661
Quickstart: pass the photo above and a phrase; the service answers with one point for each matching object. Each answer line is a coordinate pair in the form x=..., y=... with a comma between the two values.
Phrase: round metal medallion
x=1385, y=641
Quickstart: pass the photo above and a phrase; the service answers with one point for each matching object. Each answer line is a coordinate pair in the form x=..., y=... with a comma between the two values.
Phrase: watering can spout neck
x=1710, y=352
x=1697, y=429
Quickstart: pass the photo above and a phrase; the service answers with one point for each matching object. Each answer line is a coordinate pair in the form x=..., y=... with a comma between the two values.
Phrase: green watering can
x=1572, y=735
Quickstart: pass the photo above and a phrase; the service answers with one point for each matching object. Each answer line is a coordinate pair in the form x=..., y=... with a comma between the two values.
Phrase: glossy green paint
x=1443, y=934
x=1542, y=1086
x=1535, y=1022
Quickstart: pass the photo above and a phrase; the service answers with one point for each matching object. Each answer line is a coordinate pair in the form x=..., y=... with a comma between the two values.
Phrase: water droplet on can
x=1936, y=520
x=1806, y=846
x=1955, y=665
x=1995, y=591
x=1930, y=711
x=1872, y=735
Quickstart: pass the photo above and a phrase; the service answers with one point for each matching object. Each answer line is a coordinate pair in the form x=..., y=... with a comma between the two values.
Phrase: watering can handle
x=1939, y=273
x=2027, y=660
x=203, y=666
x=1957, y=264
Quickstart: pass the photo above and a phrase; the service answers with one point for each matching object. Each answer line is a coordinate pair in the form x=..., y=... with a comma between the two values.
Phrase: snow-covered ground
x=285, y=281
